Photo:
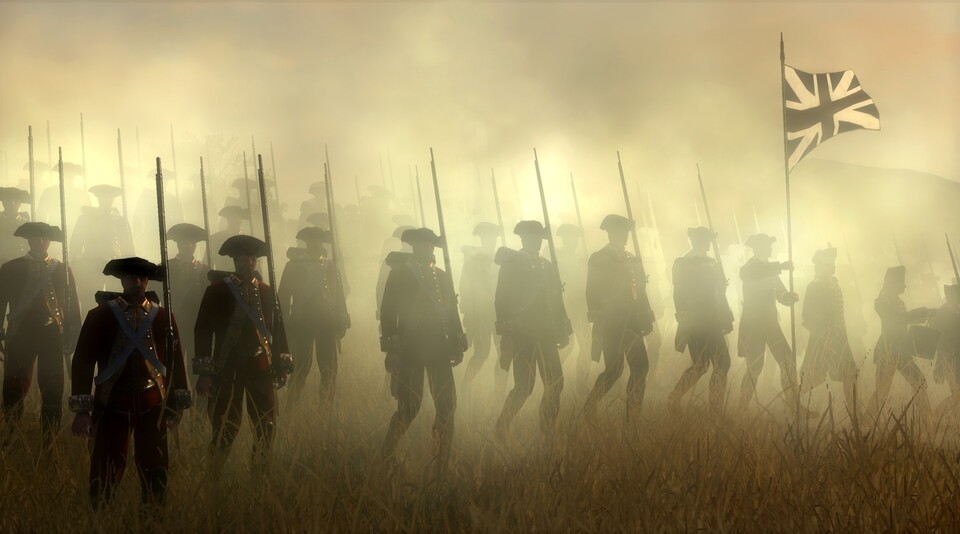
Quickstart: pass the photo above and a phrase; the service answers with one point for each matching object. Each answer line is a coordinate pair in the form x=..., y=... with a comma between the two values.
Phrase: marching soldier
x=316, y=312
x=703, y=318
x=572, y=263
x=188, y=276
x=101, y=234
x=140, y=388
x=36, y=288
x=385, y=268
x=533, y=325
x=416, y=324
x=241, y=350
x=234, y=217
x=10, y=220
x=947, y=367
x=760, y=324
x=828, y=349
x=621, y=315
x=478, y=284
x=895, y=350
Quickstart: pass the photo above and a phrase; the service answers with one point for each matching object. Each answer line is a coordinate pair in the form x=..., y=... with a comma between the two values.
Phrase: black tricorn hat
x=186, y=232
x=700, y=232
x=133, y=267
x=421, y=235
x=69, y=169
x=243, y=183
x=825, y=256
x=617, y=222
x=39, y=229
x=312, y=233
x=896, y=275
x=319, y=219
x=486, y=229
x=759, y=240
x=398, y=231
x=235, y=211
x=568, y=229
x=243, y=245
x=105, y=191
x=530, y=228
x=317, y=188
x=14, y=194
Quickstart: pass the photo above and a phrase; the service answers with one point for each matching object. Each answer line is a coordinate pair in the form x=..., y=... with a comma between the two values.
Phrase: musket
x=953, y=261
x=626, y=201
x=276, y=181
x=169, y=337
x=49, y=153
x=756, y=221
x=33, y=187
x=206, y=212
x=546, y=215
x=457, y=327
x=496, y=201
x=253, y=149
x=246, y=189
x=356, y=185
x=65, y=249
x=176, y=172
x=706, y=212
x=83, y=153
x=413, y=195
x=423, y=220
x=576, y=206
x=267, y=238
x=123, y=181
x=332, y=214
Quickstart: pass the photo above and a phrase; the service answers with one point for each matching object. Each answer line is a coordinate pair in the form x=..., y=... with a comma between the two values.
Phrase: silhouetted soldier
x=315, y=204
x=241, y=351
x=316, y=313
x=140, y=388
x=478, y=285
x=895, y=350
x=234, y=217
x=188, y=276
x=572, y=265
x=947, y=367
x=703, y=318
x=417, y=319
x=621, y=315
x=760, y=323
x=385, y=268
x=828, y=349
x=101, y=234
x=34, y=286
x=533, y=324
x=10, y=219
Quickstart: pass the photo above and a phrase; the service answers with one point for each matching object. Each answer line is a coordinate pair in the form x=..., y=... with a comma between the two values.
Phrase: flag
x=821, y=105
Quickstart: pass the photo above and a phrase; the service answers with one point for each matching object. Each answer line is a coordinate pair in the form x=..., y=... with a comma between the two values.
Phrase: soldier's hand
x=789, y=299
x=205, y=386
x=727, y=328
x=457, y=359
x=392, y=362
x=174, y=419
x=786, y=265
x=81, y=425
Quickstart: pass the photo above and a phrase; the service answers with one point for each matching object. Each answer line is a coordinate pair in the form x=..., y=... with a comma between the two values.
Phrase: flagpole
x=786, y=174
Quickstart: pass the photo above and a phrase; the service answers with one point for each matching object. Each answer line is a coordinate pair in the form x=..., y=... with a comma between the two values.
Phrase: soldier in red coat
x=36, y=288
x=241, y=351
x=141, y=387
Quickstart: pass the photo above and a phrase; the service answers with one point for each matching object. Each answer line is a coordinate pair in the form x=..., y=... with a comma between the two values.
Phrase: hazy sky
x=483, y=84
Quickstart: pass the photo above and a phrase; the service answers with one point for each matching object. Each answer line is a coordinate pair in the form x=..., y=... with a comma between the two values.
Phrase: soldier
x=417, y=319
x=478, y=284
x=10, y=220
x=140, y=387
x=760, y=324
x=316, y=203
x=571, y=263
x=894, y=350
x=234, y=217
x=703, y=318
x=621, y=315
x=241, y=350
x=101, y=234
x=828, y=349
x=35, y=286
x=947, y=367
x=533, y=323
x=188, y=275
x=385, y=268
x=317, y=312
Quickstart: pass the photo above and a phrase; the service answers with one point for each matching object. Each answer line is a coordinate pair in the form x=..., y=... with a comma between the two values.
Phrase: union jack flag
x=822, y=105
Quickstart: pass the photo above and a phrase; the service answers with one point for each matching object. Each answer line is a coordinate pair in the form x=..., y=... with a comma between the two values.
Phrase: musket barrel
x=246, y=190
x=206, y=212
x=33, y=189
x=267, y=238
x=496, y=200
x=123, y=181
x=63, y=228
x=953, y=261
x=423, y=220
x=332, y=214
x=543, y=206
x=706, y=212
x=626, y=201
x=576, y=205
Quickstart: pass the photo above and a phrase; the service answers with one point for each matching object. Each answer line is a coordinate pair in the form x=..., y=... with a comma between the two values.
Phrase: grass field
x=669, y=471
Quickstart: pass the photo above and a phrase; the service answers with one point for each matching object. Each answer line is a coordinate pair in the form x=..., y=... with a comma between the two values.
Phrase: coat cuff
x=390, y=343
x=204, y=366
x=80, y=403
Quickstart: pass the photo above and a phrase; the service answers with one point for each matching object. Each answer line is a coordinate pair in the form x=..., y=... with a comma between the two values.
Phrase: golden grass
x=681, y=471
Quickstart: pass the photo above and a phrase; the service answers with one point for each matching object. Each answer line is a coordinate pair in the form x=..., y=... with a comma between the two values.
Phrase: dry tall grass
x=670, y=471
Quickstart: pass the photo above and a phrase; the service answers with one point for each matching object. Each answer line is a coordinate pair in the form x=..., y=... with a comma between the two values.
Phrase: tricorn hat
x=186, y=232
x=39, y=229
x=895, y=275
x=571, y=230
x=398, y=232
x=617, y=222
x=421, y=235
x=105, y=191
x=243, y=245
x=486, y=229
x=317, y=188
x=319, y=219
x=312, y=233
x=133, y=267
x=534, y=228
x=700, y=232
x=243, y=184
x=759, y=240
x=235, y=211
x=14, y=194
x=826, y=256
